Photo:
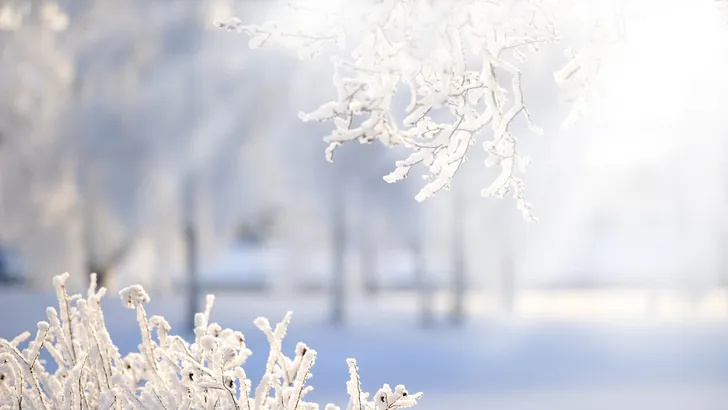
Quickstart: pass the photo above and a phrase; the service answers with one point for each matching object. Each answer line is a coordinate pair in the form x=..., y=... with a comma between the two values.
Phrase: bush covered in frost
x=167, y=372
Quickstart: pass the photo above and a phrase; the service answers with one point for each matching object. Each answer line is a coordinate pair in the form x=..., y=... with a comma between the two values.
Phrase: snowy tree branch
x=452, y=61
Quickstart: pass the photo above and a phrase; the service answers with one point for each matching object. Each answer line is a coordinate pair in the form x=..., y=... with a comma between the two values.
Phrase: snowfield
x=492, y=363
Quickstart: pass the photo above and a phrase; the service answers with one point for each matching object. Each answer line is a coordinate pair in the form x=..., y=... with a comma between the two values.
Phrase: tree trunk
x=458, y=254
x=723, y=266
x=369, y=255
x=338, y=237
x=423, y=284
x=193, y=279
x=189, y=199
x=105, y=270
x=508, y=285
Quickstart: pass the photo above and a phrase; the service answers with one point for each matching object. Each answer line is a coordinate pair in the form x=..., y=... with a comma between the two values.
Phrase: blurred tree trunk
x=105, y=271
x=422, y=282
x=338, y=238
x=723, y=265
x=104, y=274
x=190, y=205
x=508, y=284
x=370, y=251
x=193, y=278
x=190, y=238
x=457, y=314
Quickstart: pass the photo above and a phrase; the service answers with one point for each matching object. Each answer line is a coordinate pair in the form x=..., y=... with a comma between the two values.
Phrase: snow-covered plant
x=167, y=372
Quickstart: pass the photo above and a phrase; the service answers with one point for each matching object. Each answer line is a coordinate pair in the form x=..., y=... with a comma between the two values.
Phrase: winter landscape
x=516, y=205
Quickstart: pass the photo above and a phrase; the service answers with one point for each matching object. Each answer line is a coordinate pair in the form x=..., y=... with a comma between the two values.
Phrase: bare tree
x=507, y=282
x=38, y=181
x=100, y=135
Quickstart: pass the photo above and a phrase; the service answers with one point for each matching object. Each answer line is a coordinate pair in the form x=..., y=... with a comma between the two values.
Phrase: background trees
x=110, y=109
x=154, y=122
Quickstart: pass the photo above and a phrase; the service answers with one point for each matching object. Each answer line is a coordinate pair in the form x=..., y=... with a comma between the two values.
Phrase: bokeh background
x=139, y=142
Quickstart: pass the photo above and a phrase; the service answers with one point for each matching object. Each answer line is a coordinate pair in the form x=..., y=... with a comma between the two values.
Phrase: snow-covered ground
x=249, y=265
x=492, y=363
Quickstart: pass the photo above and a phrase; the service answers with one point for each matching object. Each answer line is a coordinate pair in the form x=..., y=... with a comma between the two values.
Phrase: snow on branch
x=579, y=77
x=167, y=372
x=722, y=6
x=456, y=61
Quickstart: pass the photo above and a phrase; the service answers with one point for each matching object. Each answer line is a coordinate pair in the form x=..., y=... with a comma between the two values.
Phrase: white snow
x=492, y=363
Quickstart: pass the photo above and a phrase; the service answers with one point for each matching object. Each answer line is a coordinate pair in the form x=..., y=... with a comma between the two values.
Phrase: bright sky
x=672, y=66
x=651, y=157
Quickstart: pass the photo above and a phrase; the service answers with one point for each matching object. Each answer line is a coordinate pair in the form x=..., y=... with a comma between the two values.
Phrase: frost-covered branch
x=579, y=77
x=456, y=63
x=723, y=7
x=167, y=372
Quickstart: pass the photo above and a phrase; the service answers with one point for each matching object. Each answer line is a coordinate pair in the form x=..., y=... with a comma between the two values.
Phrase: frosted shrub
x=167, y=372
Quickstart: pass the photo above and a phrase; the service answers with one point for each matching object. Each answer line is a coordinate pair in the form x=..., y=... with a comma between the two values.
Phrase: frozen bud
x=239, y=340
x=189, y=374
x=400, y=391
x=228, y=381
x=43, y=326
x=132, y=295
x=262, y=323
x=240, y=373
x=381, y=399
x=384, y=397
x=209, y=342
x=402, y=398
x=199, y=319
x=59, y=281
x=160, y=322
x=127, y=363
x=214, y=330
x=301, y=349
x=100, y=294
x=228, y=354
